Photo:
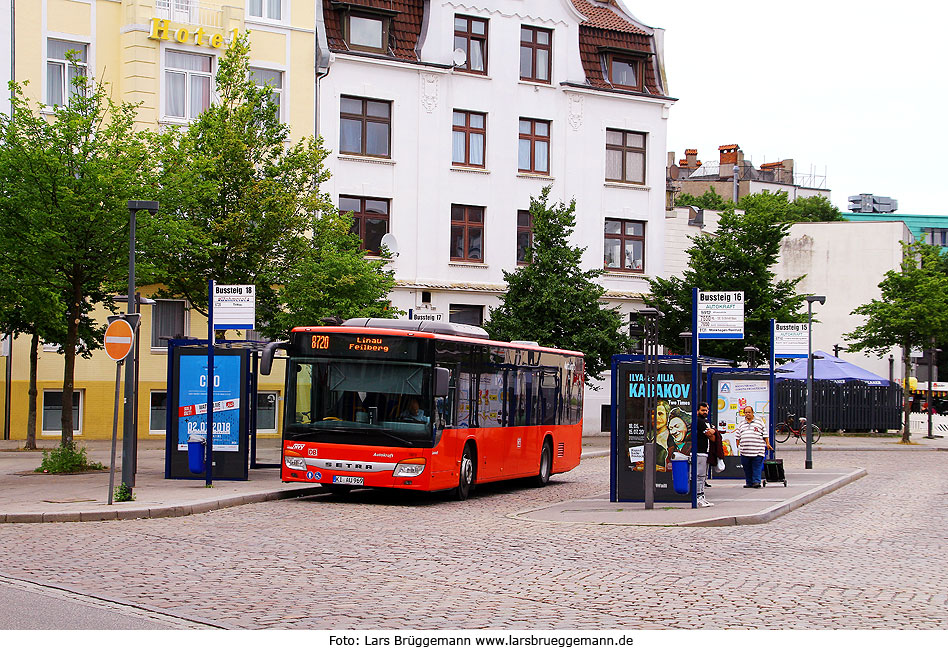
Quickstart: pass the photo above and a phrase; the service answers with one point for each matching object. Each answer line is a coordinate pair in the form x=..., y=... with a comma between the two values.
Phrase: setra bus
x=426, y=406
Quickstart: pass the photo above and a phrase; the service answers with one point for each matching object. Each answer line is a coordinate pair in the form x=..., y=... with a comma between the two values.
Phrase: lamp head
x=816, y=297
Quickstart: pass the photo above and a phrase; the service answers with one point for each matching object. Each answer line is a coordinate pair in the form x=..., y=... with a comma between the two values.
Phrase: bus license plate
x=347, y=479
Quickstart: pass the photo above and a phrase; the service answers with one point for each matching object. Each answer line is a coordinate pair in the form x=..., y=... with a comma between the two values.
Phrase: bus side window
x=464, y=402
x=548, y=395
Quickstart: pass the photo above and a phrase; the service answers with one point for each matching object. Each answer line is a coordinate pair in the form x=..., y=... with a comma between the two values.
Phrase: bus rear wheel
x=546, y=465
x=467, y=473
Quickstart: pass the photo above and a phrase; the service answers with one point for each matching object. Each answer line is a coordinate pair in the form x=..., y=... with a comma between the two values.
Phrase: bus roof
x=409, y=330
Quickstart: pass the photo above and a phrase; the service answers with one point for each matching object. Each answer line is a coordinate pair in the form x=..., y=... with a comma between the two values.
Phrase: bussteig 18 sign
x=234, y=307
x=721, y=315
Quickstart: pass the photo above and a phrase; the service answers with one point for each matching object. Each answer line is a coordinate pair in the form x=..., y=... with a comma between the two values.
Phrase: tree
x=813, y=209
x=67, y=177
x=738, y=257
x=911, y=313
x=710, y=200
x=552, y=301
x=239, y=205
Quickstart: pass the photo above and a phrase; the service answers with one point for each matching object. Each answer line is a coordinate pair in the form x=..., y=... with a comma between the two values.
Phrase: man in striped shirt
x=752, y=444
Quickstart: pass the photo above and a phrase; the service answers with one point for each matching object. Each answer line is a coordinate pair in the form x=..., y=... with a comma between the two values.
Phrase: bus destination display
x=370, y=346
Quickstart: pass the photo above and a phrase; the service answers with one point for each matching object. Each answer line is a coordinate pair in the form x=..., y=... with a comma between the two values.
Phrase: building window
x=536, y=47
x=470, y=36
x=460, y=313
x=267, y=411
x=625, y=156
x=369, y=220
x=167, y=322
x=274, y=78
x=934, y=236
x=524, y=236
x=624, y=246
x=470, y=133
x=187, y=84
x=624, y=72
x=53, y=411
x=272, y=9
x=366, y=32
x=158, y=411
x=534, y=151
x=365, y=127
x=60, y=73
x=180, y=11
x=467, y=233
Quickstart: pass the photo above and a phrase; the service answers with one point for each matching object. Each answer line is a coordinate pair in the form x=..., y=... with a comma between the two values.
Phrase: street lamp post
x=809, y=377
x=129, y=434
x=650, y=349
x=751, y=353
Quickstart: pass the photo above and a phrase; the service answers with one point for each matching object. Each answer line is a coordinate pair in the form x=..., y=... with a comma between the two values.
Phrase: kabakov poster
x=670, y=424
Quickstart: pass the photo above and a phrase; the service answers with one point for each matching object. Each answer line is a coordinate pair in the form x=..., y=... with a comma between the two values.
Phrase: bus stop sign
x=119, y=339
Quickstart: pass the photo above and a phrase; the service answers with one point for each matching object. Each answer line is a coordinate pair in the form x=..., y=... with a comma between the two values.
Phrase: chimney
x=690, y=161
x=730, y=155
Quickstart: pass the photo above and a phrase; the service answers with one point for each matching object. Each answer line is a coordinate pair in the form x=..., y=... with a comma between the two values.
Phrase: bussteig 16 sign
x=721, y=315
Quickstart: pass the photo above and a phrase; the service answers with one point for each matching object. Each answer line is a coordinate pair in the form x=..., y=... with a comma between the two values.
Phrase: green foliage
x=801, y=209
x=67, y=175
x=911, y=313
x=123, y=493
x=710, y=200
x=738, y=257
x=66, y=458
x=552, y=301
x=240, y=205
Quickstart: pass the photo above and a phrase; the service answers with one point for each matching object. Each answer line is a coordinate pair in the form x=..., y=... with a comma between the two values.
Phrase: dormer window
x=366, y=32
x=365, y=29
x=623, y=70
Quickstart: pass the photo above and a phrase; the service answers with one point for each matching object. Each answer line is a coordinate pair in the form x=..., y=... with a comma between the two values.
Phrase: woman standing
x=752, y=444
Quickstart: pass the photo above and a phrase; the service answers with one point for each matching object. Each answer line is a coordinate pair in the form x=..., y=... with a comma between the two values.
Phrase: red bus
x=426, y=406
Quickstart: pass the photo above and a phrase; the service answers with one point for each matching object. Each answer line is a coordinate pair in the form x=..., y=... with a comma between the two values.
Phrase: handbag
x=719, y=467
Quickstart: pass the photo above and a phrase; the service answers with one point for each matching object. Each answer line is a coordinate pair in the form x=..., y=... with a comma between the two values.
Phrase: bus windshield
x=368, y=402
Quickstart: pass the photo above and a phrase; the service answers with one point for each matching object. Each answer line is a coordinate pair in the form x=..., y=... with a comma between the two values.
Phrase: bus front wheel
x=546, y=465
x=467, y=474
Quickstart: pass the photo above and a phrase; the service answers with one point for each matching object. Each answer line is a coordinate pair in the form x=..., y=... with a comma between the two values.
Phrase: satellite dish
x=389, y=242
x=460, y=57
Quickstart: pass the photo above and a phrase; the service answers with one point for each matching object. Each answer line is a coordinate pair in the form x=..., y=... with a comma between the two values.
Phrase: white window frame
x=276, y=406
x=76, y=427
x=264, y=5
x=180, y=11
x=186, y=326
x=281, y=92
x=165, y=117
x=85, y=65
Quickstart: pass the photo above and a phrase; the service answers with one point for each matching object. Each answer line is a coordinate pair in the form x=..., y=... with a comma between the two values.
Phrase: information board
x=731, y=393
x=791, y=340
x=720, y=315
x=235, y=307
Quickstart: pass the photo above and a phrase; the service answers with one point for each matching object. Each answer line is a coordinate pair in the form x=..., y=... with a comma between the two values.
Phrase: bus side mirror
x=442, y=381
x=266, y=362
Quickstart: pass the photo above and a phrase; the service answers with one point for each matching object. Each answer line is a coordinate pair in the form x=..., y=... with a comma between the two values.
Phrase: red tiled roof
x=603, y=17
x=404, y=32
x=593, y=40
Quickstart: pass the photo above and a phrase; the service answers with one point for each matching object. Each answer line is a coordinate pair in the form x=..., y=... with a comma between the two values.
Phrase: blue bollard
x=196, y=453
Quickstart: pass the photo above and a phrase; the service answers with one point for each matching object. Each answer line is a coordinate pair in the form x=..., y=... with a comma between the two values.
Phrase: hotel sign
x=161, y=30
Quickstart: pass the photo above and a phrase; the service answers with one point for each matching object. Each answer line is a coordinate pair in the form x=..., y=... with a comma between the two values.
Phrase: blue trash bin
x=196, y=453
x=680, y=479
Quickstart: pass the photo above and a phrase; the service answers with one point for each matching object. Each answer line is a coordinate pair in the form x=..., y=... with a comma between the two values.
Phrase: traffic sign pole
x=119, y=338
x=118, y=381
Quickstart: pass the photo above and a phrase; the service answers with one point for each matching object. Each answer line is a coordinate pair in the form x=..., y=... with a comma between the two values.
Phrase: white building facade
x=446, y=117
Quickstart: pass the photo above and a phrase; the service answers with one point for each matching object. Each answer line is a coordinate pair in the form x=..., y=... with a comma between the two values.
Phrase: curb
x=169, y=511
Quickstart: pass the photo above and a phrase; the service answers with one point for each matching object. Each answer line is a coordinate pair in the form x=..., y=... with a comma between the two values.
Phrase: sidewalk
x=31, y=498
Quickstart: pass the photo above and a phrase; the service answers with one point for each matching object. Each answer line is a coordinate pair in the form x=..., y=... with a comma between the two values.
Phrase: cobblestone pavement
x=871, y=555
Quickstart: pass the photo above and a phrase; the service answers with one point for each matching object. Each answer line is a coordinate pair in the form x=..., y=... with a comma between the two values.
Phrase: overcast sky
x=857, y=91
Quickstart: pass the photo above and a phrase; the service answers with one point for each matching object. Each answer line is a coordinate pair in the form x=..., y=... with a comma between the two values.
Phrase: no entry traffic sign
x=118, y=339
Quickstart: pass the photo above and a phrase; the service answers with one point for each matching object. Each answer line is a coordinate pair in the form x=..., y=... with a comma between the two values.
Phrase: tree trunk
x=69, y=366
x=32, y=393
x=906, y=393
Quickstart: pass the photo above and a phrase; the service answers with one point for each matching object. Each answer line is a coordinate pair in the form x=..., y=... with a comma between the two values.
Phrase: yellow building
x=162, y=54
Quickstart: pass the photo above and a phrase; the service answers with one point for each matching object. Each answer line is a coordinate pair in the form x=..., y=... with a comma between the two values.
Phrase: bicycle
x=784, y=430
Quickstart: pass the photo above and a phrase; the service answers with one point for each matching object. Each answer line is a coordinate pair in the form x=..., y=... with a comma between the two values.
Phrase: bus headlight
x=409, y=468
x=294, y=462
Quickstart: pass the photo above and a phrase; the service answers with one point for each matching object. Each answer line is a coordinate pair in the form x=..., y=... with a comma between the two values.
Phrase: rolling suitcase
x=773, y=472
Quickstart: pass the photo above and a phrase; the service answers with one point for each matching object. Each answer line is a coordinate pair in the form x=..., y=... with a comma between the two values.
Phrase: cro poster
x=192, y=400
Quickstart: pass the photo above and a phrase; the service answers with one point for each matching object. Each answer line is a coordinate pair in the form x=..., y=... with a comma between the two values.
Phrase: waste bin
x=680, y=479
x=196, y=453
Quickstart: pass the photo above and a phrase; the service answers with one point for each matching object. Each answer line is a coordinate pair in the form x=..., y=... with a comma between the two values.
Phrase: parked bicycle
x=785, y=430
